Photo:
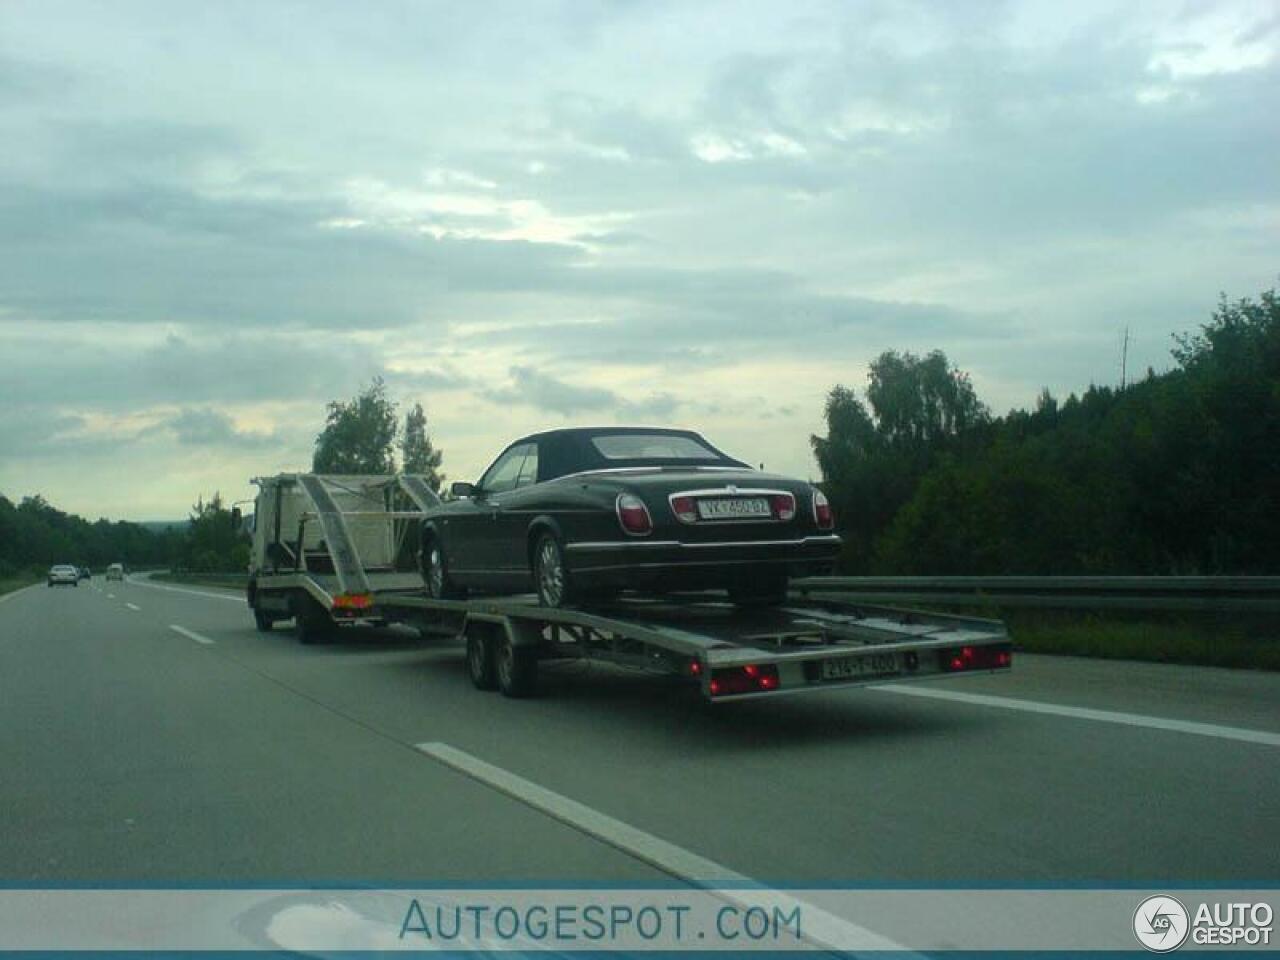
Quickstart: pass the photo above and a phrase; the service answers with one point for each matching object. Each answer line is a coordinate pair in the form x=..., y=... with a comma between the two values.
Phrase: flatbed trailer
x=727, y=652
x=330, y=552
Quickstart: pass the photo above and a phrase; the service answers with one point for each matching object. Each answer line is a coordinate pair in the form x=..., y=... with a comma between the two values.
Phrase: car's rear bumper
x=641, y=562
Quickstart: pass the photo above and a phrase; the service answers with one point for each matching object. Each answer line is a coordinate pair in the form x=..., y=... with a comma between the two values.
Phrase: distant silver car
x=64, y=573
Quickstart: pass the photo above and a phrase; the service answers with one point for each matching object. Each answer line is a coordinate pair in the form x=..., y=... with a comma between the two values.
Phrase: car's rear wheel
x=434, y=567
x=551, y=574
x=516, y=668
x=263, y=620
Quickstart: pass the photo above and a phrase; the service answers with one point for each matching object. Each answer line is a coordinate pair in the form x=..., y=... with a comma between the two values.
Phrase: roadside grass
x=17, y=583
x=1213, y=639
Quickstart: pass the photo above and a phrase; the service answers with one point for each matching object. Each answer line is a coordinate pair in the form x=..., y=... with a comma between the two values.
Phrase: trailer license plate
x=852, y=668
x=734, y=508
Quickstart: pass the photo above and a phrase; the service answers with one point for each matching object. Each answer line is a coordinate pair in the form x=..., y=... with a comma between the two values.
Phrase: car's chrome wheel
x=435, y=571
x=550, y=573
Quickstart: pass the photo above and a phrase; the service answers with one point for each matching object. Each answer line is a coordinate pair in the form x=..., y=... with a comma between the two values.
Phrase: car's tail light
x=822, y=514
x=685, y=509
x=996, y=657
x=634, y=515
x=782, y=505
x=738, y=680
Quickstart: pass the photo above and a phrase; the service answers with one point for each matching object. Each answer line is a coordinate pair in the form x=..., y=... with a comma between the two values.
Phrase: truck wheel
x=551, y=574
x=310, y=623
x=263, y=621
x=517, y=668
x=480, y=665
x=434, y=567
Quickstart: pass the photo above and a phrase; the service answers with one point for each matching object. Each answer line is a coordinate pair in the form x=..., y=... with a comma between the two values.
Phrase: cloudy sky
x=215, y=218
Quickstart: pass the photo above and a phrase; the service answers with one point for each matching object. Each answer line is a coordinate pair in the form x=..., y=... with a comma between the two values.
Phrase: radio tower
x=1124, y=360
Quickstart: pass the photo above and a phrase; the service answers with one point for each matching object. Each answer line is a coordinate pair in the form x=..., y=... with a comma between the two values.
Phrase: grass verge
x=17, y=583
x=1215, y=640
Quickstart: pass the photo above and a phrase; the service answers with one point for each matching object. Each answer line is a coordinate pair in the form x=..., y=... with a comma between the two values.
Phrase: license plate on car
x=733, y=508
x=853, y=668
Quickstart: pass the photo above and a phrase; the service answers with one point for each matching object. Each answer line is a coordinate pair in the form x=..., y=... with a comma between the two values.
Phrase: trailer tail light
x=685, y=509
x=634, y=515
x=822, y=514
x=739, y=680
x=782, y=505
x=352, y=604
x=995, y=657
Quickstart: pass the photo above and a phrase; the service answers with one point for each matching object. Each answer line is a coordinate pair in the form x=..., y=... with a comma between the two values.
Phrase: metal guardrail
x=1257, y=594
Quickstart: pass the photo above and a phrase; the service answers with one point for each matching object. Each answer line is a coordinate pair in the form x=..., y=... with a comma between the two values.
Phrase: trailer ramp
x=337, y=537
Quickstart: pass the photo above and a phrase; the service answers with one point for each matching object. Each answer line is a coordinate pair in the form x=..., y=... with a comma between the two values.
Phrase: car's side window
x=529, y=471
x=502, y=476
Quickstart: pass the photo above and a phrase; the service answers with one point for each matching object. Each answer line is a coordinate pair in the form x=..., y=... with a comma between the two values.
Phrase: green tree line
x=35, y=535
x=1178, y=473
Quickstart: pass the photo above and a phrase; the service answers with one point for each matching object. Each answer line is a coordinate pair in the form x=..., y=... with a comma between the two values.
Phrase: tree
x=359, y=435
x=872, y=462
x=417, y=454
x=921, y=401
x=215, y=541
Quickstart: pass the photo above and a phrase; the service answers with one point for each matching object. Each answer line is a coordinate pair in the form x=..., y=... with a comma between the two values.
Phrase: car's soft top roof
x=596, y=431
x=569, y=449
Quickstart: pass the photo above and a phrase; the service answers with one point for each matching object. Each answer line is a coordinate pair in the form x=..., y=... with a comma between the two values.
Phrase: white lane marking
x=190, y=634
x=111, y=596
x=821, y=928
x=132, y=606
x=195, y=593
x=1242, y=734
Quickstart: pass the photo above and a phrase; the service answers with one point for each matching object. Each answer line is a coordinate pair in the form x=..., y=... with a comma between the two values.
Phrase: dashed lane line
x=822, y=929
x=191, y=634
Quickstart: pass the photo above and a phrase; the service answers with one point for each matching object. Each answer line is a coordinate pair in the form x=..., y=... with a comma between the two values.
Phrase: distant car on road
x=115, y=571
x=64, y=573
x=85, y=573
x=579, y=514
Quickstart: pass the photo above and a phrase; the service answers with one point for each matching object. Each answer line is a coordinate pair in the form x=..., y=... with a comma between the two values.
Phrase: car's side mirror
x=461, y=489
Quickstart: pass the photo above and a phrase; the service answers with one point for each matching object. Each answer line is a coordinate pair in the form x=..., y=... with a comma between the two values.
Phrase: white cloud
x=666, y=211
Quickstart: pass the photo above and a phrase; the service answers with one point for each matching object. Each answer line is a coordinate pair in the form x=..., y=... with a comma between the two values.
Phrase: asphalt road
x=131, y=750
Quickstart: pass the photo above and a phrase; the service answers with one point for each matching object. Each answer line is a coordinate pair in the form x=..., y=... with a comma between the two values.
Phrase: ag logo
x=1161, y=923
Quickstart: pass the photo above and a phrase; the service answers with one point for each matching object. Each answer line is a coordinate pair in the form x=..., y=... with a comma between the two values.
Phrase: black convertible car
x=581, y=514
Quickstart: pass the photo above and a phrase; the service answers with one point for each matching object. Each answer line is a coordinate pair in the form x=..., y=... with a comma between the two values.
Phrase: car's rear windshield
x=652, y=446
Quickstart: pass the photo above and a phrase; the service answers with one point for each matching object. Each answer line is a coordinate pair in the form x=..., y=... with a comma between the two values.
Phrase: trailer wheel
x=517, y=668
x=310, y=623
x=480, y=666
